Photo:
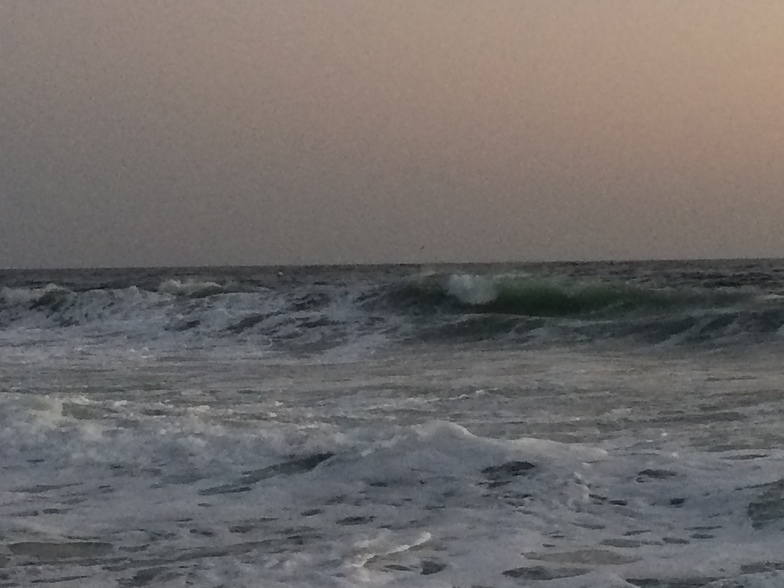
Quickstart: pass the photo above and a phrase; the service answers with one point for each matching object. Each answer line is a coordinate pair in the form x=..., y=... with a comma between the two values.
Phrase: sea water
x=555, y=425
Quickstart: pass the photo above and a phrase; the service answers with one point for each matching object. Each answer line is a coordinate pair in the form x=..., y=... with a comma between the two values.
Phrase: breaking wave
x=327, y=310
x=551, y=297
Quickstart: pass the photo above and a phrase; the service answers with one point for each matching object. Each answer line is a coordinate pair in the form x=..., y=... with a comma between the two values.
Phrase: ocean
x=565, y=425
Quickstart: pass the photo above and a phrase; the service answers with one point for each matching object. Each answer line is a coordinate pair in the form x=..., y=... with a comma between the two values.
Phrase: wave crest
x=546, y=297
x=318, y=313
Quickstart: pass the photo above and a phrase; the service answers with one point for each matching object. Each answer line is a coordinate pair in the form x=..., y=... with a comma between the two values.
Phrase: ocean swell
x=317, y=313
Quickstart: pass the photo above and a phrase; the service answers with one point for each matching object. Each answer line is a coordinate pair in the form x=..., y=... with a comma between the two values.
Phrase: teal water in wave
x=313, y=310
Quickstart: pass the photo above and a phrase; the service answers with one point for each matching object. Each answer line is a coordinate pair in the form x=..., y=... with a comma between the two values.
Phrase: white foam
x=424, y=505
x=472, y=289
x=409, y=467
x=24, y=296
x=189, y=287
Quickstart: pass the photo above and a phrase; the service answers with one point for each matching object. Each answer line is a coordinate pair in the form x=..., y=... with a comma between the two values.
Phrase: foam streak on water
x=351, y=428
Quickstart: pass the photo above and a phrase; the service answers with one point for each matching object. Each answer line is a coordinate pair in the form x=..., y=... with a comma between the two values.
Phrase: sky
x=256, y=132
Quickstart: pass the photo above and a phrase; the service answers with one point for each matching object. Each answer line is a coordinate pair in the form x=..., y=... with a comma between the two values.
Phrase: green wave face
x=543, y=297
x=547, y=296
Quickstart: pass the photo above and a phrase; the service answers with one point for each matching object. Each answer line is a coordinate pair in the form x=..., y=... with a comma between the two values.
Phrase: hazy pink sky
x=292, y=131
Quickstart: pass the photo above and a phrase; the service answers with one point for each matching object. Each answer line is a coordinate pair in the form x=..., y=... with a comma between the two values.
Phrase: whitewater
x=566, y=425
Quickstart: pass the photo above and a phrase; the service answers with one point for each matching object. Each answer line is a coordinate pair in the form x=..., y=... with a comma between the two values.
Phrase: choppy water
x=566, y=425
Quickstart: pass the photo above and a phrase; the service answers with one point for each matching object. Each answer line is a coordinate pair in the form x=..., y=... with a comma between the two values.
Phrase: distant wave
x=536, y=296
x=192, y=288
x=312, y=314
